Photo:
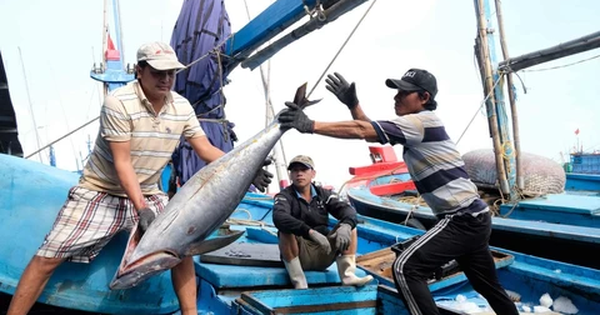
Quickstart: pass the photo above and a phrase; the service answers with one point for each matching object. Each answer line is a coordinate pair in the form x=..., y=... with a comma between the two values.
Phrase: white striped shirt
x=127, y=115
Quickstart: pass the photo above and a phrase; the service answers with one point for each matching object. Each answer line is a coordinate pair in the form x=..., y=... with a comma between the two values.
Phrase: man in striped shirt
x=437, y=169
x=140, y=126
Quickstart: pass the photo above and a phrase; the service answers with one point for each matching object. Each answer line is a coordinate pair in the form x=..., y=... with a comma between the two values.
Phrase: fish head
x=132, y=272
x=139, y=264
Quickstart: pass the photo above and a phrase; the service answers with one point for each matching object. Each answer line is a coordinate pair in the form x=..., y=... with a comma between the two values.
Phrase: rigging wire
x=480, y=107
x=278, y=150
x=341, y=48
x=562, y=66
x=216, y=50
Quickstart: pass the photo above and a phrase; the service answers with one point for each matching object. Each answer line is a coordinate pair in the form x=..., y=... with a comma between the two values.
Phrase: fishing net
x=541, y=175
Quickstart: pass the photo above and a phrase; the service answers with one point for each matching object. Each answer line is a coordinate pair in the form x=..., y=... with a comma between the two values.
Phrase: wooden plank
x=303, y=309
x=380, y=263
x=245, y=254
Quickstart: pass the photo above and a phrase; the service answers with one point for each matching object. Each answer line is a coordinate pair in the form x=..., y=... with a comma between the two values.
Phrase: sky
x=49, y=48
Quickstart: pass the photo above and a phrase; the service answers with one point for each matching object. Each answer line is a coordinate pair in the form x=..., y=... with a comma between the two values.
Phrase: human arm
x=285, y=222
x=346, y=93
x=405, y=130
x=121, y=152
x=293, y=117
x=346, y=215
x=339, y=209
x=352, y=129
x=116, y=128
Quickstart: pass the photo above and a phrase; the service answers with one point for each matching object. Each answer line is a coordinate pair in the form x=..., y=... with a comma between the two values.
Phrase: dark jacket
x=292, y=214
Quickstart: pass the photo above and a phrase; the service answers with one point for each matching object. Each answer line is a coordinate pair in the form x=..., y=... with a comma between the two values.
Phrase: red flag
x=110, y=45
x=577, y=131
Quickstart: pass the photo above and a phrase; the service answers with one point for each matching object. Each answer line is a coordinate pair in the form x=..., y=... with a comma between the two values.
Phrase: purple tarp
x=202, y=25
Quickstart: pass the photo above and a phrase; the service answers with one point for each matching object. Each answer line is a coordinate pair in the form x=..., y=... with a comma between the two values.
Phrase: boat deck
x=576, y=210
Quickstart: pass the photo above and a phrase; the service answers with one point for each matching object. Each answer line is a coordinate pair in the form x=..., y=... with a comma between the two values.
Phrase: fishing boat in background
x=583, y=173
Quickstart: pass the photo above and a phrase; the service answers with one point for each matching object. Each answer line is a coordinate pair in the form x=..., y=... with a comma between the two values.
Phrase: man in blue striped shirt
x=437, y=169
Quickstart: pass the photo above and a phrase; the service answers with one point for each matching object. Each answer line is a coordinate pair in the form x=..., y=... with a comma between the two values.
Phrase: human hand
x=263, y=177
x=342, y=236
x=294, y=117
x=321, y=240
x=344, y=91
x=146, y=217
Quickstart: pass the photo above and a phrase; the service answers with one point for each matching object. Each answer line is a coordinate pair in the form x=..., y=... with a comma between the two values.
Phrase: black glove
x=345, y=92
x=342, y=236
x=294, y=117
x=146, y=217
x=263, y=177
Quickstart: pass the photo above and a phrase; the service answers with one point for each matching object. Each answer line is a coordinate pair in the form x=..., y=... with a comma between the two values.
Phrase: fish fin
x=300, y=97
x=209, y=245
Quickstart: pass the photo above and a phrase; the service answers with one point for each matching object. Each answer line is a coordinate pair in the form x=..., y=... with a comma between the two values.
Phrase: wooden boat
x=247, y=277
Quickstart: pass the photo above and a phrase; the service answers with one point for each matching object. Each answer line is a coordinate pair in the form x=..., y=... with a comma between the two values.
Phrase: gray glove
x=345, y=92
x=342, y=236
x=294, y=117
x=146, y=217
x=321, y=240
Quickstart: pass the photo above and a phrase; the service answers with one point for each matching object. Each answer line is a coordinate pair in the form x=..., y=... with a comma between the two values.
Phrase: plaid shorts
x=87, y=222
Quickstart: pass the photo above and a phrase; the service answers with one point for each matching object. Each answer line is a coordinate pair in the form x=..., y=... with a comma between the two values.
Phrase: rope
x=412, y=209
x=480, y=107
x=215, y=50
x=341, y=48
x=96, y=118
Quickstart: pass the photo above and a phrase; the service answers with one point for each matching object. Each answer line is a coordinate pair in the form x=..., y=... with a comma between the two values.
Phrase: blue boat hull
x=32, y=195
x=35, y=192
x=588, y=184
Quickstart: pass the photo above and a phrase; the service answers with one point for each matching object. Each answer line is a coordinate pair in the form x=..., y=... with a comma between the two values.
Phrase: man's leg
x=346, y=264
x=32, y=283
x=290, y=252
x=480, y=270
x=479, y=267
x=70, y=237
x=288, y=246
x=417, y=263
x=183, y=277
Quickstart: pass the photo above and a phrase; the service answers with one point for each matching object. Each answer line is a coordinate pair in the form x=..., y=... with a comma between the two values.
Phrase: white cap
x=159, y=56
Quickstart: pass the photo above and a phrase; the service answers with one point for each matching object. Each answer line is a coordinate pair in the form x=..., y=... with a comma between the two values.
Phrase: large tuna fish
x=201, y=205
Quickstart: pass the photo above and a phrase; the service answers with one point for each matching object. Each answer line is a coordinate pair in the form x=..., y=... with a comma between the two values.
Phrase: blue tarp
x=202, y=25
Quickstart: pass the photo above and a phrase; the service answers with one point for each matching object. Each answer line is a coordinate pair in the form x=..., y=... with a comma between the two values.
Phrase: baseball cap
x=159, y=56
x=304, y=160
x=415, y=80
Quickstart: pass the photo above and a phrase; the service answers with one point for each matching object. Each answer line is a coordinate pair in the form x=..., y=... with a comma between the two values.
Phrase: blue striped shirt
x=435, y=165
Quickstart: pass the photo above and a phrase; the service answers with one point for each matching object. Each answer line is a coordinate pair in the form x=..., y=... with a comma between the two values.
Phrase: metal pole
x=572, y=47
x=37, y=135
